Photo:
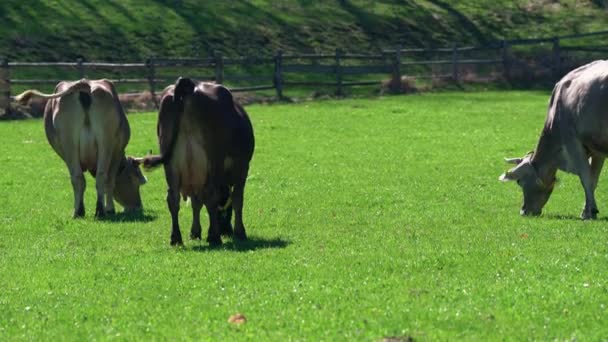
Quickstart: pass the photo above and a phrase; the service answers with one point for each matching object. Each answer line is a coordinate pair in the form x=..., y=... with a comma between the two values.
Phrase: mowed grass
x=367, y=218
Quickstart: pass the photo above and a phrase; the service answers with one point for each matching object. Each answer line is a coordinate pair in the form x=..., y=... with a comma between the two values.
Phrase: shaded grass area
x=131, y=30
x=367, y=218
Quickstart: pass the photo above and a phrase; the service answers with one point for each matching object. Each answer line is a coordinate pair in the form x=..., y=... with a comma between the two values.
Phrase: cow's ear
x=183, y=87
x=136, y=161
x=515, y=161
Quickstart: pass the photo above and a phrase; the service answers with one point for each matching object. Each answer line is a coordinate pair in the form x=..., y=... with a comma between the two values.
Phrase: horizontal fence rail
x=262, y=73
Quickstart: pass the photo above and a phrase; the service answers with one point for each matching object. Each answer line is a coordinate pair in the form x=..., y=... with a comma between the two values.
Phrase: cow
x=206, y=144
x=87, y=127
x=574, y=139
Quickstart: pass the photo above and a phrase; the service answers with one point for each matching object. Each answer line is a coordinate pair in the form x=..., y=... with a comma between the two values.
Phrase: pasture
x=367, y=218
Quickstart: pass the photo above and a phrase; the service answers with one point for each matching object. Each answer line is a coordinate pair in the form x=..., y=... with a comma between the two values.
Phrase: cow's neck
x=547, y=155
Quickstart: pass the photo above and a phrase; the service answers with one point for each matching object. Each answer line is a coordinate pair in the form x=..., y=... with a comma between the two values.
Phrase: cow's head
x=128, y=181
x=536, y=190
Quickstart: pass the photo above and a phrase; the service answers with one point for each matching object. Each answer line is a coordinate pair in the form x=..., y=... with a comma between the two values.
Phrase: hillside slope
x=130, y=30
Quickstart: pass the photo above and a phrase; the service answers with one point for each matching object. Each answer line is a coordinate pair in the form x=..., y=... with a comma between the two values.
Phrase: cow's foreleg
x=237, y=202
x=110, y=184
x=225, y=221
x=197, y=205
x=579, y=158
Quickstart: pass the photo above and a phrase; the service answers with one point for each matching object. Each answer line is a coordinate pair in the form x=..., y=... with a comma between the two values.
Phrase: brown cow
x=206, y=143
x=574, y=139
x=87, y=127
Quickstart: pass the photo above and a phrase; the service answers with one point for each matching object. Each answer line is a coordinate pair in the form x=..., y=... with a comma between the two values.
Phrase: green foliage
x=367, y=218
x=133, y=30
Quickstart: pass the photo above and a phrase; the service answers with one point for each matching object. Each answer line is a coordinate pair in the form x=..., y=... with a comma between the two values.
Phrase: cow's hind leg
x=596, y=164
x=78, y=185
x=237, y=202
x=110, y=184
x=101, y=180
x=173, y=203
x=72, y=161
x=213, y=235
x=197, y=205
x=595, y=168
x=225, y=212
x=584, y=171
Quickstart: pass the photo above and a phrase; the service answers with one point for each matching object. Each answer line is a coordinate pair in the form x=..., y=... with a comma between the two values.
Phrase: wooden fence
x=338, y=69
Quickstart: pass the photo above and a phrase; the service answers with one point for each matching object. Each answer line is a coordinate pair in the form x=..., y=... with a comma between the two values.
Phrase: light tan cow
x=87, y=127
x=574, y=139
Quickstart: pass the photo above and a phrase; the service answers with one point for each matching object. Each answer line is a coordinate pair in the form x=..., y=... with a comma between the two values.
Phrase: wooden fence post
x=5, y=88
x=506, y=60
x=395, y=85
x=152, y=80
x=455, y=63
x=338, y=73
x=278, y=74
x=219, y=67
x=80, y=68
x=556, y=59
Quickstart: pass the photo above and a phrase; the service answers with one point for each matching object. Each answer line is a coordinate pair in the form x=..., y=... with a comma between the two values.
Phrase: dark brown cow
x=206, y=143
x=87, y=127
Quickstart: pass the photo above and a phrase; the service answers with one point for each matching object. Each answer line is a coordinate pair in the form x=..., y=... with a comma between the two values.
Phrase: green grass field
x=368, y=218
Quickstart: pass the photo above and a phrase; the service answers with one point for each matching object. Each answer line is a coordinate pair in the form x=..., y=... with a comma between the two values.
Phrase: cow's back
x=580, y=104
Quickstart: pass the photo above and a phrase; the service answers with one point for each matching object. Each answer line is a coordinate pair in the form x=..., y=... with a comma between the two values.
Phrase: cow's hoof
x=177, y=242
x=240, y=235
x=196, y=235
x=214, y=241
x=589, y=214
x=99, y=211
x=79, y=212
x=111, y=212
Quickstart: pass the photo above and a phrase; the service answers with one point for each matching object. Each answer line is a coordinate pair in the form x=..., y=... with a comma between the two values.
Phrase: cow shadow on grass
x=134, y=216
x=252, y=244
x=570, y=217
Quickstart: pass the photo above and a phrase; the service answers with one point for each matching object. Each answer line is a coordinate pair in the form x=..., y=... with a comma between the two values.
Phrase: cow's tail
x=169, y=119
x=80, y=86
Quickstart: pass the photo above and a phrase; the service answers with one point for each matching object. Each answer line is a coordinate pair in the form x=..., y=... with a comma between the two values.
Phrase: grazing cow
x=206, y=143
x=87, y=127
x=574, y=139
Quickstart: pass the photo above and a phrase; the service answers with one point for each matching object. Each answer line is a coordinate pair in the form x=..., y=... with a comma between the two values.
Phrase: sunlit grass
x=367, y=218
